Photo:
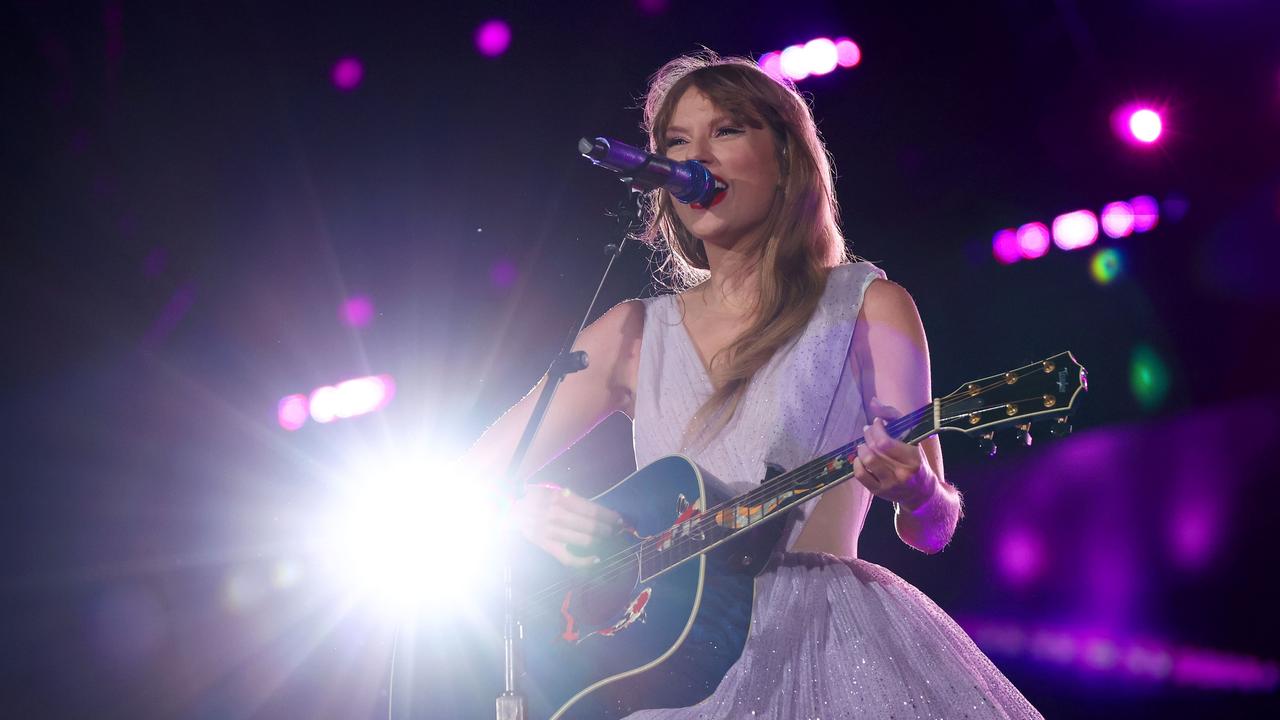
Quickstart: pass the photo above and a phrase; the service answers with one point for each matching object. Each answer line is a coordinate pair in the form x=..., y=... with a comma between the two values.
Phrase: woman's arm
x=583, y=400
x=891, y=356
x=553, y=518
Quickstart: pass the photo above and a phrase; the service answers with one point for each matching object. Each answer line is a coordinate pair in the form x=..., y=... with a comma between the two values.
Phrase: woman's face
x=740, y=156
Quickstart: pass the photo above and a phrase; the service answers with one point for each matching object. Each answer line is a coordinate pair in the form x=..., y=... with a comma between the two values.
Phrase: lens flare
x=1148, y=377
x=1106, y=265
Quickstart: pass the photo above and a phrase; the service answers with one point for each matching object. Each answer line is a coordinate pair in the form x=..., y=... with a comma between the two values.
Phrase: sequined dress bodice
x=804, y=402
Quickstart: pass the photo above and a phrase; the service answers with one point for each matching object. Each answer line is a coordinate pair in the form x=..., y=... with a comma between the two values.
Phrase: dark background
x=188, y=199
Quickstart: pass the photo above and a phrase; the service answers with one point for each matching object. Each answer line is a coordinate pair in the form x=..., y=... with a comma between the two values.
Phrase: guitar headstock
x=1044, y=390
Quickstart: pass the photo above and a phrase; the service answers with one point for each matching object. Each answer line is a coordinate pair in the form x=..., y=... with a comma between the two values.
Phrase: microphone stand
x=511, y=704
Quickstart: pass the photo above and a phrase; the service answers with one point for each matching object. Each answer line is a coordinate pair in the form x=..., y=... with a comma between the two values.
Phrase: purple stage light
x=324, y=404
x=1136, y=659
x=503, y=273
x=848, y=53
x=1004, y=246
x=1033, y=240
x=347, y=74
x=291, y=412
x=1075, y=230
x=1194, y=529
x=1117, y=219
x=795, y=63
x=1020, y=556
x=652, y=7
x=1145, y=125
x=822, y=56
x=357, y=311
x=771, y=64
x=1146, y=213
x=493, y=37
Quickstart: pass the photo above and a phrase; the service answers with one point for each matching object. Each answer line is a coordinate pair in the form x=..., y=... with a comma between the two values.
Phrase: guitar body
x=666, y=612
x=609, y=642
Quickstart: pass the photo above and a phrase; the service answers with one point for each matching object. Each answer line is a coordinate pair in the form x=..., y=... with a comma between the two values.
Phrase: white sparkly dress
x=830, y=638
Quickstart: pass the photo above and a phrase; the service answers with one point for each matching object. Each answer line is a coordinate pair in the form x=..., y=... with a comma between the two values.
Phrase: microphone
x=688, y=181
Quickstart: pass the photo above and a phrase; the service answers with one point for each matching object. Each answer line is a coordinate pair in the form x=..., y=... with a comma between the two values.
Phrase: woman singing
x=774, y=349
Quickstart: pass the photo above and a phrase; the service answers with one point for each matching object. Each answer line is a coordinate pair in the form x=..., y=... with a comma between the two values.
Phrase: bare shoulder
x=889, y=348
x=613, y=346
x=886, y=301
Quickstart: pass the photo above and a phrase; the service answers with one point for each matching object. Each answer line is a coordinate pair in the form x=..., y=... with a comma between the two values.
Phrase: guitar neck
x=706, y=529
x=1045, y=389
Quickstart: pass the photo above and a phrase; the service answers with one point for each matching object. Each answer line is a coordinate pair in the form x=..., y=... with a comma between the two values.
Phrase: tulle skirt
x=833, y=638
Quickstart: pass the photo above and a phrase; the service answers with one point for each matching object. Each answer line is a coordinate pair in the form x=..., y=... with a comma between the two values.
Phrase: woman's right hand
x=553, y=518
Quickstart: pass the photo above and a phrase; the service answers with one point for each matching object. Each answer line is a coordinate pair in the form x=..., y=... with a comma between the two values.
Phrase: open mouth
x=715, y=200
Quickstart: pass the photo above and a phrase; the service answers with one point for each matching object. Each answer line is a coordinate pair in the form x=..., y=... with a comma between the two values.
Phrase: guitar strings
x=647, y=550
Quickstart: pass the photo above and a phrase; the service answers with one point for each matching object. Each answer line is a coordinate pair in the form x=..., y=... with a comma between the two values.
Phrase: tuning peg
x=987, y=443
x=1061, y=428
x=1024, y=434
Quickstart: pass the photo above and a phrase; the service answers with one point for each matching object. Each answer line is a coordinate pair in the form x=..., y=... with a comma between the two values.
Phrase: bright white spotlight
x=412, y=536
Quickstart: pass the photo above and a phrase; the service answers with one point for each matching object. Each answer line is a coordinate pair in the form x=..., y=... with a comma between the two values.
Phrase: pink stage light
x=347, y=399
x=795, y=63
x=771, y=64
x=1033, y=240
x=822, y=56
x=848, y=53
x=1074, y=230
x=1145, y=125
x=357, y=311
x=291, y=412
x=1137, y=123
x=1004, y=246
x=347, y=74
x=1146, y=213
x=1117, y=219
x=493, y=37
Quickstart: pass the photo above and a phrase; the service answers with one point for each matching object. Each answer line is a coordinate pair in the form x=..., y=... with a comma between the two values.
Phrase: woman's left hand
x=890, y=468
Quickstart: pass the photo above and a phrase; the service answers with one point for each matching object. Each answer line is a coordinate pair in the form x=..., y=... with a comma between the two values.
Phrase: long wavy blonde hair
x=801, y=241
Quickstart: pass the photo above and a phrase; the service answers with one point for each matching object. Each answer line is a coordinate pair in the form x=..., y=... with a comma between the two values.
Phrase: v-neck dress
x=830, y=637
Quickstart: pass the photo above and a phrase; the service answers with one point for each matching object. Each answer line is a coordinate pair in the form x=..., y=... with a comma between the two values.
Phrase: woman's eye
x=672, y=142
x=729, y=130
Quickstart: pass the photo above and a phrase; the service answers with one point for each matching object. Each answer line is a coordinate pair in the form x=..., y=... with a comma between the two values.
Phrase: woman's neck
x=734, y=284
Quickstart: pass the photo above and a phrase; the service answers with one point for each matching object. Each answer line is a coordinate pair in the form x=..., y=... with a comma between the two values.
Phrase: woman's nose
x=700, y=150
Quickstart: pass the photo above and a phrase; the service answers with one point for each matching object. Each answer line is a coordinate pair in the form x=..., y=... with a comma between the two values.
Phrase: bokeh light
x=1146, y=213
x=1019, y=556
x=1033, y=240
x=1148, y=377
x=1117, y=219
x=356, y=311
x=1138, y=123
x=771, y=63
x=347, y=74
x=822, y=56
x=493, y=37
x=1004, y=246
x=291, y=411
x=795, y=63
x=1106, y=265
x=1145, y=125
x=1074, y=230
x=848, y=54
x=351, y=398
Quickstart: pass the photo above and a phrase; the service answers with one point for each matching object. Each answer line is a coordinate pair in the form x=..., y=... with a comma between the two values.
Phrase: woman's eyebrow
x=714, y=121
